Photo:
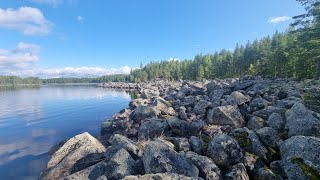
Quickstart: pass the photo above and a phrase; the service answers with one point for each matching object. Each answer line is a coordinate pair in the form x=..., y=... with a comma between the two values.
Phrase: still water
x=34, y=119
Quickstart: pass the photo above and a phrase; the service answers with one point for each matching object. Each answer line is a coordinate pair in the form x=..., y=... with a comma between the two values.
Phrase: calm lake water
x=32, y=120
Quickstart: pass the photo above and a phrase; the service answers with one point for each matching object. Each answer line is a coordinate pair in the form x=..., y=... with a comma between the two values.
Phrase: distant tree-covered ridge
x=14, y=80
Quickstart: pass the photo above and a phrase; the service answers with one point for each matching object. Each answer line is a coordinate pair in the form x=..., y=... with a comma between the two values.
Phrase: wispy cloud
x=80, y=19
x=28, y=20
x=277, y=20
x=23, y=61
x=54, y=3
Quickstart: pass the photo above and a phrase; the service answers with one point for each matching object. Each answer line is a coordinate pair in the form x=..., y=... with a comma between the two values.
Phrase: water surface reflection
x=34, y=119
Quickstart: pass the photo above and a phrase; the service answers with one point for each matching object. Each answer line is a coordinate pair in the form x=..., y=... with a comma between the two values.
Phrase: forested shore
x=292, y=53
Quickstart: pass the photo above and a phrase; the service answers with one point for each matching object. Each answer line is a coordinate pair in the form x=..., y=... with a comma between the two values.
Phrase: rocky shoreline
x=233, y=129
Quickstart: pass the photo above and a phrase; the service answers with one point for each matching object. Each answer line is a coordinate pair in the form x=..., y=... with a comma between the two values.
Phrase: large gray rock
x=224, y=150
x=123, y=114
x=163, y=106
x=182, y=128
x=143, y=112
x=188, y=101
x=218, y=93
x=300, y=157
x=152, y=128
x=250, y=142
x=110, y=127
x=196, y=144
x=87, y=161
x=160, y=158
x=256, y=123
x=269, y=137
x=120, y=165
x=62, y=161
x=258, y=104
x=266, y=112
x=288, y=102
x=200, y=107
x=276, y=121
x=213, y=86
x=161, y=176
x=237, y=172
x=297, y=111
x=182, y=113
x=181, y=144
x=241, y=85
x=207, y=168
x=138, y=102
x=239, y=98
x=85, y=173
x=121, y=142
x=149, y=93
x=300, y=121
x=225, y=115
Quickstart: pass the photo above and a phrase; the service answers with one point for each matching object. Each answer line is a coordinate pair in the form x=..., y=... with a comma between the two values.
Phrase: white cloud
x=80, y=19
x=75, y=72
x=28, y=20
x=23, y=56
x=276, y=20
x=50, y=2
x=23, y=59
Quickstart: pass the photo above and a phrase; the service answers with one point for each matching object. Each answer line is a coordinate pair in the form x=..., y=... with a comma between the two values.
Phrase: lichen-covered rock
x=152, y=128
x=267, y=111
x=269, y=137
x=160, y=158
x=109, y=127
x=84, y=174
x=264, y=174
x=161, y=176
x=250, y=142
x=300, y=121
x=62, y=161
x=121, y=142
x=256, y=123
x=300, y=157
x=276, y=121
x=143, y=112
x=258, y=104
x=120, y=165
x=306, y=126
x=163, y=106
x=201, y=107
x=87, y=161
x=149, y=93
x=207, y=168
x=225, y=115
x=181, y=144
x=224, y=150
x=182, y=113
x=237, y=172
x=182, y=128
x=196, y=145
x=123, y=114
x=239, y=98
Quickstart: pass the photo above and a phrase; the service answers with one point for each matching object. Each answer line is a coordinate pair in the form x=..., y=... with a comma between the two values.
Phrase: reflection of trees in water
x=30, y=105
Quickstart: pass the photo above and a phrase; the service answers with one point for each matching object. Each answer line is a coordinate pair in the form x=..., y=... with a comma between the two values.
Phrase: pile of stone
x=249, y=128
x=119, y=85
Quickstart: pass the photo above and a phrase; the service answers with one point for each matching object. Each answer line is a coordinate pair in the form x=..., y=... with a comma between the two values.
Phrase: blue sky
x=52, y=38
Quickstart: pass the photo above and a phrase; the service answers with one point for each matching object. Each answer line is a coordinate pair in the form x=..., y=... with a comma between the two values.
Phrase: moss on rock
x=310, y=172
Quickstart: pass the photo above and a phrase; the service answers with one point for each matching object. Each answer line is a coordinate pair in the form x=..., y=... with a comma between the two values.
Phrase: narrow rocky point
x=233, y=129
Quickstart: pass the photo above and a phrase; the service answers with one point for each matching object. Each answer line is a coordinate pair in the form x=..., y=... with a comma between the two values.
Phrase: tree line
x=15, y=80
x=284, y=54
x=291, y=53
